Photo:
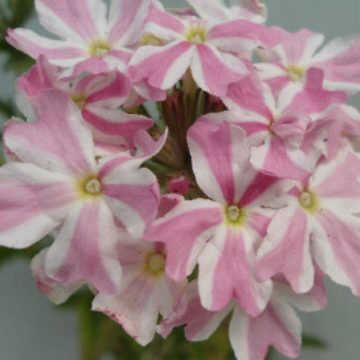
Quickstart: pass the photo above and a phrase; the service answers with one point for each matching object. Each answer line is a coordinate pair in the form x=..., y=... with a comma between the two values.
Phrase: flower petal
x=33, y=202
x=85, y=248
x=83, y=19
x=59, y=140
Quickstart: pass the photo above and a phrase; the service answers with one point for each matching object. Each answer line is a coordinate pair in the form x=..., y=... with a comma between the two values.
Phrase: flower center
x=151, y=39
x=295, y=72
x=308, y=201
x=235, y=215
x=92, y=186
x=155, y=264
x=79, y=100
x=99, y=48
x=196, y=33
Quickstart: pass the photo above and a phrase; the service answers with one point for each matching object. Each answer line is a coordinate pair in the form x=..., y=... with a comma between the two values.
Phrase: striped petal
x=61, y=53
x=114, y=126
x=211, y=10
x=277, y=326
x=126, y=20
x=104, y=91
x=330, y=186
x=252, y=98
x=313, y=300
x=33, y=202
x=161, y=67
x=80, y=20
x=286, y=249
x=162, y=24
x=226, y=271
x=85, y=248
x=191, y=224
x=339, y=60
x=312, y=96
x=275, y=159
x=40, y=142
x=335, y=243
x=131, y=193
x=200, y=323
x=241, y=36
x=335, y=237
x=214, y=71
x=219, y=157
x=142, y=294
x=298, y=48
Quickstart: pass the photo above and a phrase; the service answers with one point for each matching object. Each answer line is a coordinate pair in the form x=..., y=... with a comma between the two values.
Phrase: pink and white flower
x=89, y=40
x=145, y=290
x=58, y=184
x=320, y=224
x=250, y=337
x=297, y=53
x=276, y=126
x=173, y=45
x=99, y=97
x=222, y=234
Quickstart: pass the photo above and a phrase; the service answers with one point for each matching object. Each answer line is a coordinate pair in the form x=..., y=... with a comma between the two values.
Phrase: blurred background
x=33, y=329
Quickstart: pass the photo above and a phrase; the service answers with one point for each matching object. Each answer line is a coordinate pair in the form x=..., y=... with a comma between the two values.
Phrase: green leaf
x=313, y=342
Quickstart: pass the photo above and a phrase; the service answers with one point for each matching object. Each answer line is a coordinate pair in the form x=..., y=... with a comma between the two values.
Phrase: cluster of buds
x=237, y=196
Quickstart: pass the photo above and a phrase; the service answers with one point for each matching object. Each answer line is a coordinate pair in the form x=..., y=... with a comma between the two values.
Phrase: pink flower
x=250, y=337
x=89, y=40
x=99, y=98
x=318, y=225
x=277, y=126
x=173, y=45
x=58, y=184
x=297, y=53
x=145, y=290
x=222, y=234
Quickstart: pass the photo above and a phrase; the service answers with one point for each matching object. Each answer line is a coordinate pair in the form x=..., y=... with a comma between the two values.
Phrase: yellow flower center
x=295, y=72
x=308, y=201
x=196, y=33
x=150, y=39
x=99, y=48
x=79, y=100
x=90, y=186
x=234, y=215
x=155, y=264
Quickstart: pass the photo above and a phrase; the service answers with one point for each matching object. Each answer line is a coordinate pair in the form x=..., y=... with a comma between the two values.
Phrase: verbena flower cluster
x=238, y=199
